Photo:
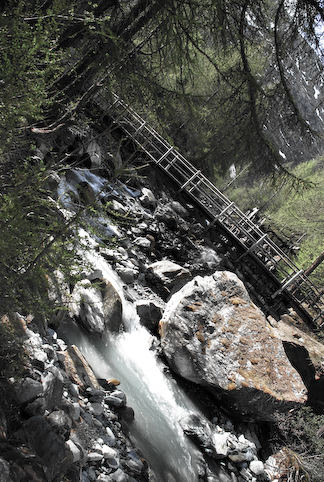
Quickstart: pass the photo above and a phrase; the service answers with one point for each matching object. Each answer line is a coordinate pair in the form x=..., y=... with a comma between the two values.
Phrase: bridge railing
x=219, y=207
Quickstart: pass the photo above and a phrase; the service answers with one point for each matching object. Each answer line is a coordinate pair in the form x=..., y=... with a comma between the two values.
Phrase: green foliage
x=36, y=241
x=12, y=356
x=28, y=62
x=295, y=213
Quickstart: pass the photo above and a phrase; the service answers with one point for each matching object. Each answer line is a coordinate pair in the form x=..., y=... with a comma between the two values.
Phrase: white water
x=158, y=403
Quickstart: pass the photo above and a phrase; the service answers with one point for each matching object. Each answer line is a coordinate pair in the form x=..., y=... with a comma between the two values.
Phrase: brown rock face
x=212, y=334
x=78, y=369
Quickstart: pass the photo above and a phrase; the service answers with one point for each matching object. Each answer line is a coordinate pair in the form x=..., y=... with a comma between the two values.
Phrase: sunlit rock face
x=213, y=335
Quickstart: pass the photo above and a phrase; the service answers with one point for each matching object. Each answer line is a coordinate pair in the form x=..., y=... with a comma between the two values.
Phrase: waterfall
x=157, y=401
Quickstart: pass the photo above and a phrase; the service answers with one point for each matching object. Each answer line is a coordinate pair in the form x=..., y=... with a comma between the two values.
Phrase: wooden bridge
x=248, y=242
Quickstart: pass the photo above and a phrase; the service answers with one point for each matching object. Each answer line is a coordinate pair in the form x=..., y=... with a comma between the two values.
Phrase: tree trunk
x=313, y=266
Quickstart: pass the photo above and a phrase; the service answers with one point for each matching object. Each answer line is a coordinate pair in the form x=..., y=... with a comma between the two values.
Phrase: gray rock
x=61, y=423
x=169, y=273
x=5, y=470
x=150, y=313
x=109, y=452
x=28, y=389
x=179, y=209
x=84, y=477
x=91, y=474
x=147, y=198
x=47, y=445
x=143, y=243
x=127, y=275
x=119, y=207
x=74, y=411
x=220, y=441
x=134, y=463
x=257, y=467
x=53, y=389
x=112, y=307
x=114, y=401
x=75, y=451
x=36, y=407
x=200, y=432
x=119, y=476
x=119, y=394
x=96, y=408
x=110, y=438
x=91, y=309
x=95, y=457
x=104, y=478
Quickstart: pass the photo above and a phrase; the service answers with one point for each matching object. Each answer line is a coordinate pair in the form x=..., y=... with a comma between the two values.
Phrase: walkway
x=221, y=210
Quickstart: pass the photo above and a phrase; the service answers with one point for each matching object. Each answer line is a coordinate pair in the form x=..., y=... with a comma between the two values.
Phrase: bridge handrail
x=219, y=207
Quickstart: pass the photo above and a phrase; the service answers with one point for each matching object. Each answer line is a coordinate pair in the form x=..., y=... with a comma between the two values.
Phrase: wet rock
x=90, y=312
x=150, y=313
x=119, y=476
x=127, y=275
x=112, y=307
x=229, y=347
x=114, y=401
x=95, y=155
x=200, y=432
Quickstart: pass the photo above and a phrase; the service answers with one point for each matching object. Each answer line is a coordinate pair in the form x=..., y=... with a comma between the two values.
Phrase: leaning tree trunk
x=313, y=266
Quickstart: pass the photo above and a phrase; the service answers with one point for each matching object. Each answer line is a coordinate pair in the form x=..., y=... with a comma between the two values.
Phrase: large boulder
x=47, y=445
x=213, y=335
x=97, y=306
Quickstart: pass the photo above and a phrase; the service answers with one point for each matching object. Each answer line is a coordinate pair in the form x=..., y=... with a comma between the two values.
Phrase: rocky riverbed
x=71, y=426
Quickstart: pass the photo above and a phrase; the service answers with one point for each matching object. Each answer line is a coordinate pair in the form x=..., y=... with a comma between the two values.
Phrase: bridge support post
x=284, y=286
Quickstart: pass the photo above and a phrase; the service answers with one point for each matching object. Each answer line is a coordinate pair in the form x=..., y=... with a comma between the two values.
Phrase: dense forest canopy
x=217, y=76
x=224, y=64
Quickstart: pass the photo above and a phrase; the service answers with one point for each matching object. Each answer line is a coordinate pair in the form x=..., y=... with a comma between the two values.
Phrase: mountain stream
x=158, y=403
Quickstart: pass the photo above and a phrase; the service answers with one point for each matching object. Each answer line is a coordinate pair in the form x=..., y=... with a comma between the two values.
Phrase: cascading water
x=157, y=401
x=158, y=404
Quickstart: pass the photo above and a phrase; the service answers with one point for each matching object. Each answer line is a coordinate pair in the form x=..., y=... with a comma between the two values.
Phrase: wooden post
x=316, y=263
